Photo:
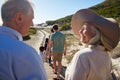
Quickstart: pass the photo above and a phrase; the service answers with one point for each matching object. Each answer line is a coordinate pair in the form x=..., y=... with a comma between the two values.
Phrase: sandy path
x=37, y=39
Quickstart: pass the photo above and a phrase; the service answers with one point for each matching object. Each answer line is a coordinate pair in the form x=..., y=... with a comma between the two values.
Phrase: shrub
x=64, y=27
x=31, y=32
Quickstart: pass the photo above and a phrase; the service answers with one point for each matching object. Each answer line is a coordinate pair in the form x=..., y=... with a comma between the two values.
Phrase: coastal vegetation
x=31, y=32
x=108, y=8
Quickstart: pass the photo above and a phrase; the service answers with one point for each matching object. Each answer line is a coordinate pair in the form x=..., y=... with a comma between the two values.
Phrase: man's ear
x=19, y=18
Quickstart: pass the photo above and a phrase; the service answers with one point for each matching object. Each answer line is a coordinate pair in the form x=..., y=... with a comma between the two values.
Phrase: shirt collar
x=99, y=47
x=11, y=32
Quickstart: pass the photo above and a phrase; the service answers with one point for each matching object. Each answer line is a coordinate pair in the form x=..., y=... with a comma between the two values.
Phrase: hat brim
x=109, y=29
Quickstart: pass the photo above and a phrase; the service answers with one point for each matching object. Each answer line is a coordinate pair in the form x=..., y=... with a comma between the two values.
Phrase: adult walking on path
x=98, y=36
x=58, y=46
x=18, y=61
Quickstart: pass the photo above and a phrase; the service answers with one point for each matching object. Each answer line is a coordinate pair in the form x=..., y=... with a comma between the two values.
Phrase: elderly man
x=98, y=36
x=18, y=61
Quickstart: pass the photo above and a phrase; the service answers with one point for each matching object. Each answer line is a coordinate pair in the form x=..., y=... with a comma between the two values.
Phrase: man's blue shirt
x=18, y=61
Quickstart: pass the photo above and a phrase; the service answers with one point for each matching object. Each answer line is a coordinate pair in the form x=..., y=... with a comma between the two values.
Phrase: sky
x=45, y=10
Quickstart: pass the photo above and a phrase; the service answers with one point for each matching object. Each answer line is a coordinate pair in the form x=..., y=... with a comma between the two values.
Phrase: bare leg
x=54, y=65
x=59, y=69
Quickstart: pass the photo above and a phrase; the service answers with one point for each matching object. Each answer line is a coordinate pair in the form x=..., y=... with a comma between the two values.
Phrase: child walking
x=42, y=53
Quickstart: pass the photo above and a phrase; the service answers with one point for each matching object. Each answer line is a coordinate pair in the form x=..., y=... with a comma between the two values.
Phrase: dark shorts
x=57, y=56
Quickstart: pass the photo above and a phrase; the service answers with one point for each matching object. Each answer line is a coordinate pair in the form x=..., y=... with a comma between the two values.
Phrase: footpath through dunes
x=37, y=40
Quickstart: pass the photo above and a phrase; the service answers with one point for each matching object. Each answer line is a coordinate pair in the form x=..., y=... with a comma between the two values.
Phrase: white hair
x=95, y=39
x=11, y=7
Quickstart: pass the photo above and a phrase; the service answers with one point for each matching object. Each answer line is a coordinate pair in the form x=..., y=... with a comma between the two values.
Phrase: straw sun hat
x=109, y=28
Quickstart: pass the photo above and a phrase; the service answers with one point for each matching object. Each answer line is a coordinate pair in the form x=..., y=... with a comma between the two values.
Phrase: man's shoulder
x=60, y=33
x=13, y=44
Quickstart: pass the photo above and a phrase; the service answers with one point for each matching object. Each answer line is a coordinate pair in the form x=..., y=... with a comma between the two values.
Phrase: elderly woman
x=98, y=36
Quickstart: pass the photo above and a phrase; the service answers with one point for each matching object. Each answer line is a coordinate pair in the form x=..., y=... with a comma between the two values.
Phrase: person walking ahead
x=18, y=60
x=58, y=46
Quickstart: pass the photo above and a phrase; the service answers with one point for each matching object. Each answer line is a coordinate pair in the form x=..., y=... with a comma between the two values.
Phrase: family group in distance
x=19, y=61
